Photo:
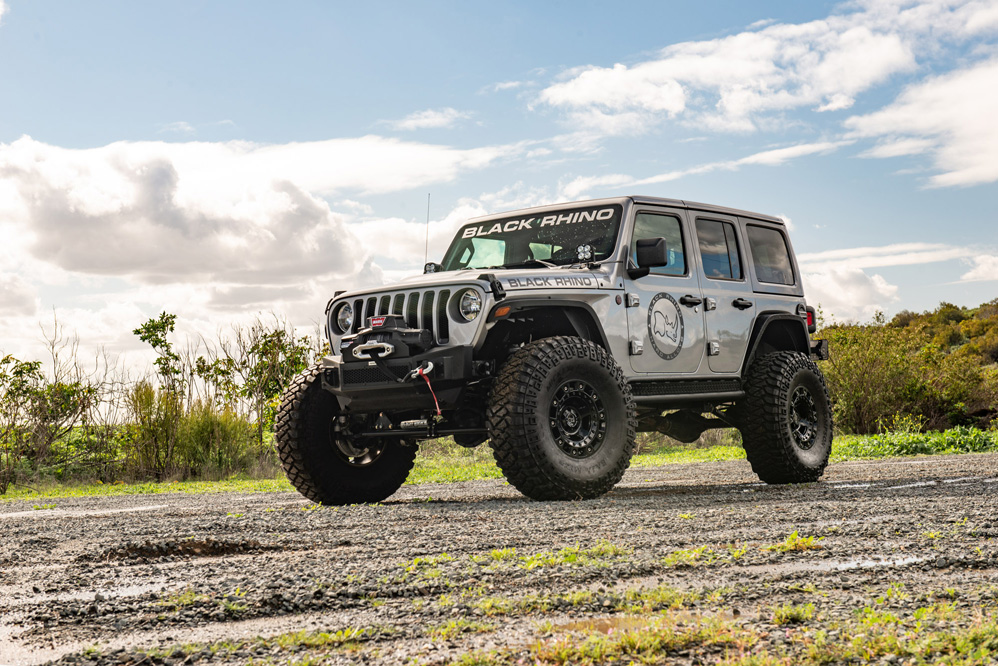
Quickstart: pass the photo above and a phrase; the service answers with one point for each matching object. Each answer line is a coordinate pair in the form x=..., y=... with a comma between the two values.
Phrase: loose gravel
x=443, y=571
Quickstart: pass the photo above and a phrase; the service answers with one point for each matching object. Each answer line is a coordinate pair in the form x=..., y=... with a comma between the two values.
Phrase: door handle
x=690, y=301
x=741, y=303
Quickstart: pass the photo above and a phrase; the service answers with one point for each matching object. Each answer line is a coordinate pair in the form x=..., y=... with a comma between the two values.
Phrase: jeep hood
x=512, y=280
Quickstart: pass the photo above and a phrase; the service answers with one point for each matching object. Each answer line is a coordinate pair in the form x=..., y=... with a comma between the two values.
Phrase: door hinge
x=637, y=347
x=713, y=349
x=633, y=300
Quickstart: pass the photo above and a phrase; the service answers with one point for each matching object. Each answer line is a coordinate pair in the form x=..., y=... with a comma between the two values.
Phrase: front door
x=664, y=314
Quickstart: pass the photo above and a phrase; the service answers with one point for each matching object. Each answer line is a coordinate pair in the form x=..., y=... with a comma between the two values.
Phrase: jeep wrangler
x=556, y=334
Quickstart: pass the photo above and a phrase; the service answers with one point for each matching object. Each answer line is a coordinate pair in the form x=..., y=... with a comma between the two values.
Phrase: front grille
x=685, y=386
x=425, y=308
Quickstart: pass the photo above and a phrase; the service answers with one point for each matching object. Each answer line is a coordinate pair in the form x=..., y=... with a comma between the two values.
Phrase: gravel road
x=432, y=574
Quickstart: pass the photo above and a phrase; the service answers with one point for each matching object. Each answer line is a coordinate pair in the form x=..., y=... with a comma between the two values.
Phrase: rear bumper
x=361, y=386
x=819, y=350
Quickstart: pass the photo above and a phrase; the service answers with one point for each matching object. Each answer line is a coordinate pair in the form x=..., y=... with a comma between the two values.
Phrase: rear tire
x=561, y=420
x=786, y=419
x=327, y=465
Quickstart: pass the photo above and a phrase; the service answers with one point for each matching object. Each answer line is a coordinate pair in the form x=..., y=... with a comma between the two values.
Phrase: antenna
x=426, y=247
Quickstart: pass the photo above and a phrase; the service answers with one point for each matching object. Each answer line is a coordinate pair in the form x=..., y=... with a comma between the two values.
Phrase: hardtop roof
x=637, y=199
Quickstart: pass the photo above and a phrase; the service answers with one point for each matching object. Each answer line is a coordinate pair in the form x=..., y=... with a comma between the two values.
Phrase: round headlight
x=470, y=305
x=344, y=317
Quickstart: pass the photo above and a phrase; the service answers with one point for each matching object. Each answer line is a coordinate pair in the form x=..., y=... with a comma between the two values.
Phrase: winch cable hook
x=426, y=379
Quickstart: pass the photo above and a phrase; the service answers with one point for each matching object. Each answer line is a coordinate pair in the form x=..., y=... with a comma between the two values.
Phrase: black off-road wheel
x=561, y=420
x=786, y=419
x=320, y=457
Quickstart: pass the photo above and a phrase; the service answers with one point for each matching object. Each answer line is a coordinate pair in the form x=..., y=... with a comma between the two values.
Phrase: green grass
x=445, y=462
x=961, y=439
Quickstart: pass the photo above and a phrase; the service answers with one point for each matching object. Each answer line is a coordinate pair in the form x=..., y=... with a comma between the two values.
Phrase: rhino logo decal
x=665, y=326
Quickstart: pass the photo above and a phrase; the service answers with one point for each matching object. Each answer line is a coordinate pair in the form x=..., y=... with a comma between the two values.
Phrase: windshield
x=556, y=238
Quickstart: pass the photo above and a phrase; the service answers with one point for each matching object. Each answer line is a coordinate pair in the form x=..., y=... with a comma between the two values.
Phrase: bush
x=215, y=442
x=926, y=368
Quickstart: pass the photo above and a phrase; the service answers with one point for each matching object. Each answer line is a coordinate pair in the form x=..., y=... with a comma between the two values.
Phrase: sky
x=219, y=160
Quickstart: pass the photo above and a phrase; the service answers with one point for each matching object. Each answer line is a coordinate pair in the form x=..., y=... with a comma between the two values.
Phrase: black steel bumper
x=361, y=386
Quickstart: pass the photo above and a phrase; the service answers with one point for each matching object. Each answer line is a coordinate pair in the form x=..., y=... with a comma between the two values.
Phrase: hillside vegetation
x=937, y=369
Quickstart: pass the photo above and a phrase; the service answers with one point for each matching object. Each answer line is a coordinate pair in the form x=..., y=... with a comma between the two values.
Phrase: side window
x=770, y=255
x=719, y=250
x=650, y=225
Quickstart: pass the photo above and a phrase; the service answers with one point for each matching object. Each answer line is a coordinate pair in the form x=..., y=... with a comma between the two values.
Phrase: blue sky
x=222, y=159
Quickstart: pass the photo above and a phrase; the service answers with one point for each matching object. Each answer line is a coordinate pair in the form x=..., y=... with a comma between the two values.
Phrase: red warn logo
x=377, y=322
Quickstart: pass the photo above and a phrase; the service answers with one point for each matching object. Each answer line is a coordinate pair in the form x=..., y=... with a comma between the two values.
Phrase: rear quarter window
x=770, y=255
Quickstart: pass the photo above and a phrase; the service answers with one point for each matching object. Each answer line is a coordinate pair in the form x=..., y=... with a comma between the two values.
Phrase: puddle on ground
x=69, y=513
x=833, y=565
x=604, y=625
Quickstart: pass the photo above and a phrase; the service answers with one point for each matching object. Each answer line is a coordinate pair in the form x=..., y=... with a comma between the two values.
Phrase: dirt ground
x=701, y=560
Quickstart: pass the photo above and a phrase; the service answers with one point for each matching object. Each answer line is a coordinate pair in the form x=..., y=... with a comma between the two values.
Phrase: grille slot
x=412, y=310
x=425, y=308
x=443, y=323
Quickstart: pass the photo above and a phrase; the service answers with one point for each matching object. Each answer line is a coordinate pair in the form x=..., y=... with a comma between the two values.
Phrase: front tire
x=561, y=420
x=786, y=419
x=322, y=461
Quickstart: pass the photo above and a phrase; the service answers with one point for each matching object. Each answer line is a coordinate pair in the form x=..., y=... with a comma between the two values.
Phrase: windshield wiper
x=527, y=263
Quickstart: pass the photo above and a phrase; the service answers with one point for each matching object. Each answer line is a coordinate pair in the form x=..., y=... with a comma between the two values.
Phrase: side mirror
x=652, y=252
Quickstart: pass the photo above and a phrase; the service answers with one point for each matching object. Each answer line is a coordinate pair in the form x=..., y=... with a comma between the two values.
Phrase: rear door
x=664, y=317
x=729, y=306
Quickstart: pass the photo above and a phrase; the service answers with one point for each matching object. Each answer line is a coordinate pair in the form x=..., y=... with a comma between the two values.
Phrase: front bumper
x=361, y=386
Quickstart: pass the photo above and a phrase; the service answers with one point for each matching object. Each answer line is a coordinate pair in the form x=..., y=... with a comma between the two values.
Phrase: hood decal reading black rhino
x=549, y=282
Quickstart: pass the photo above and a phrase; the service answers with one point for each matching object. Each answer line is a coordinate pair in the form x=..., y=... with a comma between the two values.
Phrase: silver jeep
x=556, y=334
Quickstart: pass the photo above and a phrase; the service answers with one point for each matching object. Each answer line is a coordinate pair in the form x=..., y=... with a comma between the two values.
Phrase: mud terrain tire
x=317, y=466
x=786, y=418
x=561, y=420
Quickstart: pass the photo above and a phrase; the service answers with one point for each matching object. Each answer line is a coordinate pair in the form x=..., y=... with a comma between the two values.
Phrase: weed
x=795, y=542
x=183, y=599
x=424, y=565
x=42, y=507
x=792, y=614
x=690, y=557
x=455, y=628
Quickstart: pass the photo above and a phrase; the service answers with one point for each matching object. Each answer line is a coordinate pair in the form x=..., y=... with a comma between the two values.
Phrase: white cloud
x=228, y=215
x=739, y=82
x=950, y=117
x=3, y=9
x=430, y=119
x=178, y=127
x=897, y=254
x=574, y=189
x=848, y=293
x=985, y=268
x=773, y=157
x=505, y=85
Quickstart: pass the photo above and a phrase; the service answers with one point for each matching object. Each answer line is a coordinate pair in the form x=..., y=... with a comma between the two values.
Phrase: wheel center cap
x=571, y=418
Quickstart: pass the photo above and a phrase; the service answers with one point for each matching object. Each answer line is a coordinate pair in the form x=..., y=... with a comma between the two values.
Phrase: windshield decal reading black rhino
x=542, y=282
x=509, y=226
